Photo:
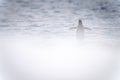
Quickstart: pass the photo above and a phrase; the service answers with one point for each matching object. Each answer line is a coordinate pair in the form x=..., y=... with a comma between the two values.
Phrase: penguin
x=80, y=30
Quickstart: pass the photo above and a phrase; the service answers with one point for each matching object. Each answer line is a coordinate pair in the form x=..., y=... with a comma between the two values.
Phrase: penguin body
x=80, y=30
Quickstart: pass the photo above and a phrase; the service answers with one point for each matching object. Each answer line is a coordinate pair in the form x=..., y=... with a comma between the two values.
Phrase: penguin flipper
x=87, y=28
x=73, y=28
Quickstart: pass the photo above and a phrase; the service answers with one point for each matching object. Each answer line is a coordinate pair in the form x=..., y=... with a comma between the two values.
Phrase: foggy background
x=51, y=18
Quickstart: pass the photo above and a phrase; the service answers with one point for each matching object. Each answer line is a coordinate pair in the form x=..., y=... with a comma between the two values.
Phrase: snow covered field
x=55, y=18
x=37, y=40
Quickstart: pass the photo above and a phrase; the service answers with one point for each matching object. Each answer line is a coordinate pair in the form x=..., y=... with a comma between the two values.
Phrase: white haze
x=35, y=58
x=37, y=42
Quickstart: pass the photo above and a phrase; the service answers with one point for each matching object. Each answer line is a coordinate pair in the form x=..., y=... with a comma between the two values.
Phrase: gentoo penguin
x=80, y=30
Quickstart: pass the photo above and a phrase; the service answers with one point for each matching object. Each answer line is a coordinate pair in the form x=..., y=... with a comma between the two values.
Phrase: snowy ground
x=41, y=22
x=55, y=18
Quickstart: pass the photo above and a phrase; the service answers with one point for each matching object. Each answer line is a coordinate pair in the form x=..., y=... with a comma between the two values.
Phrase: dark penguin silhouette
x=80, y=30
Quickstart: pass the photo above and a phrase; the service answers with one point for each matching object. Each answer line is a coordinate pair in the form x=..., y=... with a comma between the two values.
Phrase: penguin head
x=80, y=22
